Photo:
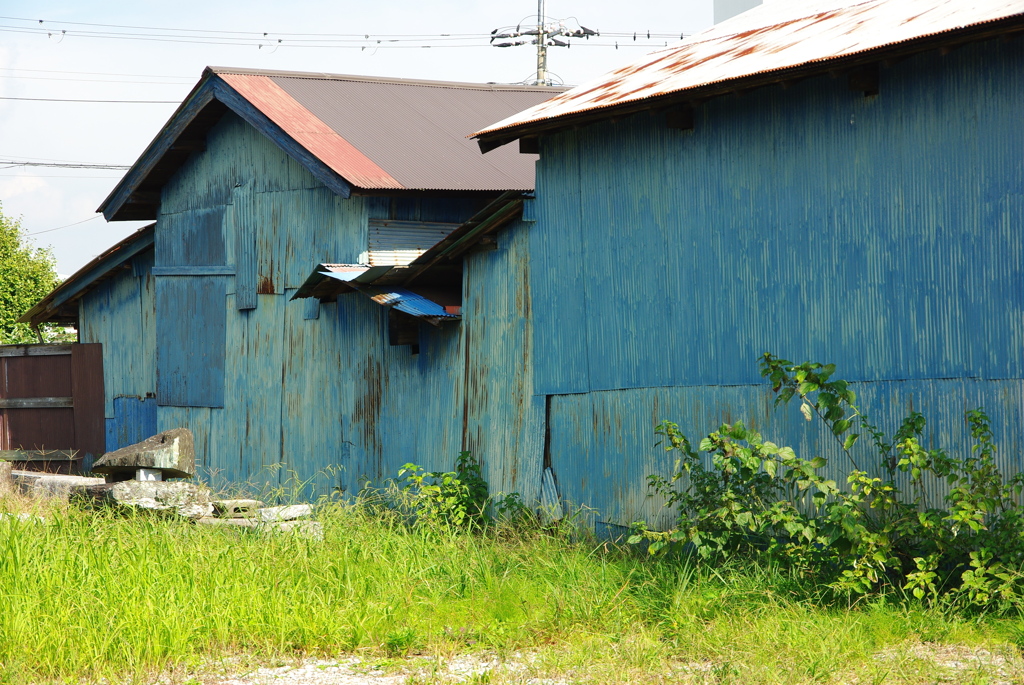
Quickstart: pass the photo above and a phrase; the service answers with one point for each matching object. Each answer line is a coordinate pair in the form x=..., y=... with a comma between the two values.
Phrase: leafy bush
x=460, y=499
x=456, y=498
x=753, y=497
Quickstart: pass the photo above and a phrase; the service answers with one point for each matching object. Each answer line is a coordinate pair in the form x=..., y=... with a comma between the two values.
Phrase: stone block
x=6, y=479
x=237, y=508
x=307, y=529
x=228, y=523
x=23, y=517
x=184, y=499
x=286, y=513
x=171, y=452
x=46, y=485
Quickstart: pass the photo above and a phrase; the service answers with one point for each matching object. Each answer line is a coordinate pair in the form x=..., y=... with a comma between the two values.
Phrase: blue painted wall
x=319, y=397
x=882, y=234
x=120, y=314
x=134, y=420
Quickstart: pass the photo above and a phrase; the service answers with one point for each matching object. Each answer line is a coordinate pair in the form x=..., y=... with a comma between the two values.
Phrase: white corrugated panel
x=400, y=242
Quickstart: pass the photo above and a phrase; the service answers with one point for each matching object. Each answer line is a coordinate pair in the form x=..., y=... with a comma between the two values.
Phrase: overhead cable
x=51, y=230
x=65, y=165
x=108, y=102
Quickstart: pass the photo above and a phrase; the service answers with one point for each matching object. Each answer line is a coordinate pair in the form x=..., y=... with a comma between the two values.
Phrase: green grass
x=91, y=595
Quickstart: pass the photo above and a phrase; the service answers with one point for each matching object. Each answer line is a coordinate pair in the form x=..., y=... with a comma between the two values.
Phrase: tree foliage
x=27, y=274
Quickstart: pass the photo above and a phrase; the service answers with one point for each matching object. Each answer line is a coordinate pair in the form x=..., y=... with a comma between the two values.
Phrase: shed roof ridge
x=388, y=80
x=715, y=34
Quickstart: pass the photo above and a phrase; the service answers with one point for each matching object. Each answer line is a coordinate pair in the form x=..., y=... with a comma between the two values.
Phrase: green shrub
x=755, y=498
x=456, y=498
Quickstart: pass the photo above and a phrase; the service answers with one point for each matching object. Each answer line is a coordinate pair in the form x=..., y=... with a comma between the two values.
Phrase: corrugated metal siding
x=603, y=444
x=191, y=340
x=134, y=420
x=245, y=434
x=119, y=313
x=813, y=222
x=881, y=234
x=394, y=242
x=504, y=419
x=327, y=401
x=193, y=237
x=236, y=153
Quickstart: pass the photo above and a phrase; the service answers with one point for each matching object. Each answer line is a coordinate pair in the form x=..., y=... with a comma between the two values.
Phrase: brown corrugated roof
x=417, y=133
x=354, y=133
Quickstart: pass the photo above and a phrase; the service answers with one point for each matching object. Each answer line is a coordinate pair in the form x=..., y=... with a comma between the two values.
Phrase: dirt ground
x=916, y=663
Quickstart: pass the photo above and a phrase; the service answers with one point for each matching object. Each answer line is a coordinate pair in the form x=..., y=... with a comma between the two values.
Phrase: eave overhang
x=60, y=306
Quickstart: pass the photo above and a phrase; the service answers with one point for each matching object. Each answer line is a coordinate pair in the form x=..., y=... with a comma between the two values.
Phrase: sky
x=64, y=58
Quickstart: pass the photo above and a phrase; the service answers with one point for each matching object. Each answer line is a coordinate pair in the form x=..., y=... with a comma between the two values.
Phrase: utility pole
x=547, y=32
x=542, y=48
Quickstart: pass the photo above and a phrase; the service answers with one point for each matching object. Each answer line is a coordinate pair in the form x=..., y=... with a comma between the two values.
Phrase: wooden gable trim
x=136, y=198
x=262, y=123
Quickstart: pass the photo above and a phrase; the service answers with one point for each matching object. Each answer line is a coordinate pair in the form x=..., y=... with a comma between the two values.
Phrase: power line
x=67, y=165
x=51, y=230
x=221, y=38
x=97, y=80
x=53, y=176
x=269, y=34
x=91, y=73
x=266, y=43
x=302, y=40
x=25, y=158
x=109, y=102
x=245, y=33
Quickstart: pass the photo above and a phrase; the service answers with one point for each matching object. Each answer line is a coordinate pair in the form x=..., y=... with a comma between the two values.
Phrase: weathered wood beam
x=864, y=79
x=38, y=455
x=36, y=403
x=680, y=118
x=33, y=350
x=144, y=197
x=529, y=146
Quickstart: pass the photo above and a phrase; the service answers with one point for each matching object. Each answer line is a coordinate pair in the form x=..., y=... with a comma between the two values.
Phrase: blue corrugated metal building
x=838, y=185
x=257, y=179
x=841, y=184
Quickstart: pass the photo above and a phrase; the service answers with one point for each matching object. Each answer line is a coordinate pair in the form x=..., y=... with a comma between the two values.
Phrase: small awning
x=410, y=303
x=333, y=279
x=437, y=272
x=330, y=280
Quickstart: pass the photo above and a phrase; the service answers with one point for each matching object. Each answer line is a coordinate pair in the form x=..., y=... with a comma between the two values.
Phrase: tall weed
x=752, y=498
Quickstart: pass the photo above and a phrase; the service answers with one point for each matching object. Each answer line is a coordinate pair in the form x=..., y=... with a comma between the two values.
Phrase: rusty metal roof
x=773, y=37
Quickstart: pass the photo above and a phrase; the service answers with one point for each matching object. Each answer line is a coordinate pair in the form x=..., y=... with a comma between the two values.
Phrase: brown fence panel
x=51, y=404
x=87, y=391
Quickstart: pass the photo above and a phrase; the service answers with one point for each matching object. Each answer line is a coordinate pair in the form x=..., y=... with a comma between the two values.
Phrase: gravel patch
x=959, y=663
x=356, y=671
